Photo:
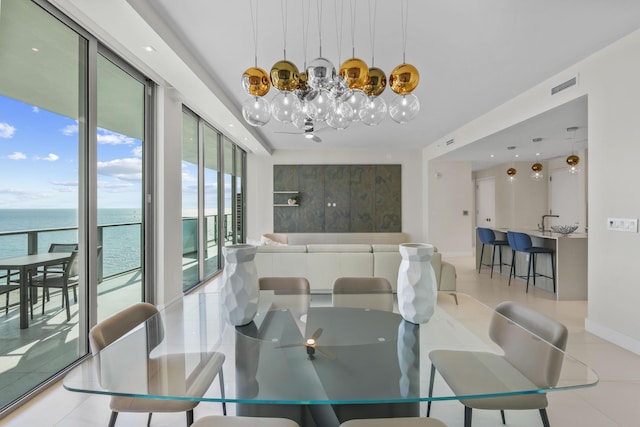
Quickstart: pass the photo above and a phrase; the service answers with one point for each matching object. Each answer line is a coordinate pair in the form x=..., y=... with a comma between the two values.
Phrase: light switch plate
x=629, y=225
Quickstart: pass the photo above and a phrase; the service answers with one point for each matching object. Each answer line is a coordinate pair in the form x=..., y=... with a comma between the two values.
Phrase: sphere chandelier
x=320, y=93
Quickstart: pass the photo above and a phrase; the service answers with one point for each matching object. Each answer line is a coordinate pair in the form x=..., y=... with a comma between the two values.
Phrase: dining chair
x=293, y=293
x=237, y=421
x=363, y=292
x=395, y=422
x=7, y=288
x=121, y=323
x=488, y=237
x=59, y=269
x=533, y=346
x=65, y=281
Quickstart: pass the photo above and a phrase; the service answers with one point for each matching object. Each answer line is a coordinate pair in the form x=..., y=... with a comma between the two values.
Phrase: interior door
x=485, y=202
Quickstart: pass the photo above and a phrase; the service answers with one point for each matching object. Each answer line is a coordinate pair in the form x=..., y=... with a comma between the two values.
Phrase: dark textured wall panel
x=363, y=198
x=389, y=198
x=338, y=198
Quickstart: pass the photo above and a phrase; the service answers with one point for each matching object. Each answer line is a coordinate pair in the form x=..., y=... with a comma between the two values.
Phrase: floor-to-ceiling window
x=121, y=118
x=72, y=129
x=212, y=197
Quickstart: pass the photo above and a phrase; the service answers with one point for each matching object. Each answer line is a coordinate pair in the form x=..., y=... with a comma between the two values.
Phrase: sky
x=39, y=161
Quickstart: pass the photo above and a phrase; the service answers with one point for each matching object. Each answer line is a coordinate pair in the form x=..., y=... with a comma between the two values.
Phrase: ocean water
x=120, y=245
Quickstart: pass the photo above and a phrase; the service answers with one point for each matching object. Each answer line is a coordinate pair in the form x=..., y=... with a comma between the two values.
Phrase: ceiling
x=472, y=56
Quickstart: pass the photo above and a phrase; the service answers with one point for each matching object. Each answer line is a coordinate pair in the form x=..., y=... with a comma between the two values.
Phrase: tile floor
x=612, y=403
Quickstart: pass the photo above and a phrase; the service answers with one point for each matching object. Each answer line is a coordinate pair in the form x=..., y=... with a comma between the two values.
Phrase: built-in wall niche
x=337, y=198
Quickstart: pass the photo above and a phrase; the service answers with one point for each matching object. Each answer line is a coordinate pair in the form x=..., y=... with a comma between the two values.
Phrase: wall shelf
x=281, y=198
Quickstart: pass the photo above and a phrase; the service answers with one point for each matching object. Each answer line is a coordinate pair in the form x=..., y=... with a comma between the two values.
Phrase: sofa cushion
x=282, y=249
x=338, y=248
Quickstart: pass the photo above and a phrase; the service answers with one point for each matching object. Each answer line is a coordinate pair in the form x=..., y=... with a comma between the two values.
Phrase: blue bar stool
x=521, y=242
x=488, y=237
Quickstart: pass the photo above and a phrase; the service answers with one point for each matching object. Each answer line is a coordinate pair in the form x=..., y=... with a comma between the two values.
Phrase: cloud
x=6, y=130
x=126, y=169
x=113, y=138
x=70, y=130
x=17, y=155
x=50, y=157
x=114, y=185
x=137, y=151
x=35, y=109
x=65, y=183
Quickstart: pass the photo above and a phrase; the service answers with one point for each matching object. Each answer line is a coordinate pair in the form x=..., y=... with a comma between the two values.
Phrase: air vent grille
x=449, y=142
x=563, y=86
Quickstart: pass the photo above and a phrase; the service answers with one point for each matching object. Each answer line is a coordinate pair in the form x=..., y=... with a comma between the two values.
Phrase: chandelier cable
x=319, y=15
x=352, y=6
x=339, y=23
x=405, y=18
x=372, y=29
x=283, y=10
x=306, y=13
x=254, y=28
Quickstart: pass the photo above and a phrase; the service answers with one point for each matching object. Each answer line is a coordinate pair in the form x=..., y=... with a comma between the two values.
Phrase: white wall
x=449, y=228
x=610, y=79
x=260, y=183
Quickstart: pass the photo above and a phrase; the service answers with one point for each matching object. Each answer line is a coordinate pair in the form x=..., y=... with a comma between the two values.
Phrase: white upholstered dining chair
x=394, y=422
x=119, y=324
x=363, y=292
x=529, y=360
x=218, y=421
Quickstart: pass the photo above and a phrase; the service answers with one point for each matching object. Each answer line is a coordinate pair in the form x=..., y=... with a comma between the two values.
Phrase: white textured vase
x=240, y=290
x=417, y=290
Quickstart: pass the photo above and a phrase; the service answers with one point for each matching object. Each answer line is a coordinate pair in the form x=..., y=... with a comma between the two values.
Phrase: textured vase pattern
x=240, y=291
x=417, y=290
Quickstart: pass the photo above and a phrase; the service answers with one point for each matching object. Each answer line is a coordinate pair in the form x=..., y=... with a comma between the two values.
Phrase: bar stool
x=488, y=237
x=522, y=243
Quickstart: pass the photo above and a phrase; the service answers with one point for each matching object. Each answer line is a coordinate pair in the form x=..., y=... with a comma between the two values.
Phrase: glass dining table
x=303, y=358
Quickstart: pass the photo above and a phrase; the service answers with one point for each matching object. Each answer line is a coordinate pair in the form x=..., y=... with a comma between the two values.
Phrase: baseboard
x=615, y=337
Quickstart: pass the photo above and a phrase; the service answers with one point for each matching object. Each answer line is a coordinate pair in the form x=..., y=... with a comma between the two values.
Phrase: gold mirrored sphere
x=404, y=79
x=302, y=81
x=536, y=167
x=377, y=82
x=256, y=81
x=573, y=160
x=355, y=73
x=511, y=171
x=285, y=76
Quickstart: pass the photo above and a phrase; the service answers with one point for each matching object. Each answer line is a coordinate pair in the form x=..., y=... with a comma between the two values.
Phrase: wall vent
x=563, y=86
x=449, y=142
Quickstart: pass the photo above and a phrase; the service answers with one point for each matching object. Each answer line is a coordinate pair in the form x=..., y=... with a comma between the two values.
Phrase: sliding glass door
x=73, y=126
x=121, y=113
x=212, y=198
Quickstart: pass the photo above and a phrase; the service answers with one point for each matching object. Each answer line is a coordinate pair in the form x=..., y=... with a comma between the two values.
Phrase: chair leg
x=529, y=271
x=432, y=377
x=149, y=419
x=512, y=270
x=545, y=418
x=467, y=416
x=534, y=270
x=189, y=417
x=455, y=297
x=500, y=252
x=493, y=258
x=221, y=378
x=553, y=272
x=66, y=300
x=114, y=415
x=504, y=421
x=481, y=254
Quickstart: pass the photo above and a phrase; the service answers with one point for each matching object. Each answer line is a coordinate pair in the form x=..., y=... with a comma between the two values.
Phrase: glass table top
x=357, y=356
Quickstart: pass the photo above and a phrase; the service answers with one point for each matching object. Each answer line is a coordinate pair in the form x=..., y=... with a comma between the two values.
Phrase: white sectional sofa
x=321, y=264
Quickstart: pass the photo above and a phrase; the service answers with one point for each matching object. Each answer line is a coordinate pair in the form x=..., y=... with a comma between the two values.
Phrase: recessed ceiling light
x=230, y=125
x=537, y=154
x=517, y=155
x=149, y=48
x=492, y=156
x=35, y=49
